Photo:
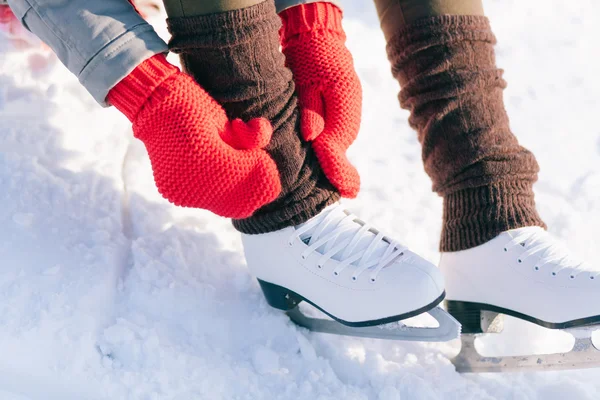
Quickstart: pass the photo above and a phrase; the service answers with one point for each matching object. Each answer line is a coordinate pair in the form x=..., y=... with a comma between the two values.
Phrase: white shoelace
x=338, y=235
x=540, y=243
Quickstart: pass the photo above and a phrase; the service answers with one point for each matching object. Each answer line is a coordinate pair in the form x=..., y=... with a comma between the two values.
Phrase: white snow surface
x=109, y=292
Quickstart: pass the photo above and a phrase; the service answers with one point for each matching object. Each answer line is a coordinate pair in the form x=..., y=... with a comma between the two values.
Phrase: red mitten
x=200, y=159
x=329, y=92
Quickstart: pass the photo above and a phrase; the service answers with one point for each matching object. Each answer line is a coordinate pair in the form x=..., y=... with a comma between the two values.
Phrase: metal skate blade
x=448, y=328
x=584, y=354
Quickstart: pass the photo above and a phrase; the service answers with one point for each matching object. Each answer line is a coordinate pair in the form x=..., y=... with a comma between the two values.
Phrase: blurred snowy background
x=109, y=292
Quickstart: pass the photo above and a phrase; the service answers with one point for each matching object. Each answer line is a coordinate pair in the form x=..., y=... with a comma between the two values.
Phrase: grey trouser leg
x=100, y=41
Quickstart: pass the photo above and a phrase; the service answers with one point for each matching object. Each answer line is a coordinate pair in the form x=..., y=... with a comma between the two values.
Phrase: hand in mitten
x=329, y=91
x=199, y=158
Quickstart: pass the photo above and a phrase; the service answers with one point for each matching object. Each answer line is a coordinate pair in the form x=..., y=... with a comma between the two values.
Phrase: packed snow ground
x=109, y=292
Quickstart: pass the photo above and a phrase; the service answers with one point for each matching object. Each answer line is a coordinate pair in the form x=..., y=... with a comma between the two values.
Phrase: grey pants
x=100, y=41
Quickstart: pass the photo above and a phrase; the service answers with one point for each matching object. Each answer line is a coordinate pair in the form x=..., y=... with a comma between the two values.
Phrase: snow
x=109, y=292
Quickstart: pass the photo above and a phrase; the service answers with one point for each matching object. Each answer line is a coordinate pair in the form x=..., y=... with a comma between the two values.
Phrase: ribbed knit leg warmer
x=235, y=56
x=451, y=85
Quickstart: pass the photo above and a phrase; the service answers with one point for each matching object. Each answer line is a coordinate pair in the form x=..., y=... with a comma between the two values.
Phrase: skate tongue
x=513, y=233
x=532, y=236
x=334, y=217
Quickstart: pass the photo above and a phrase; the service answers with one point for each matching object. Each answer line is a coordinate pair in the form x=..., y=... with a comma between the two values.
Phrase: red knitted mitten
x=200, y=159
x=329, y=92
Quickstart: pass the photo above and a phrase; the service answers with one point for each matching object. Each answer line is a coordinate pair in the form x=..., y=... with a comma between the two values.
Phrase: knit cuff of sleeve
x=282, y=5
x=130, y=94
x=311, y=17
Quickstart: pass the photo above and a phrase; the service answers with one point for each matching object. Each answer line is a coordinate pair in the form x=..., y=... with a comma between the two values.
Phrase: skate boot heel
x=474, y=318
x=468, y=314
x=279, y=297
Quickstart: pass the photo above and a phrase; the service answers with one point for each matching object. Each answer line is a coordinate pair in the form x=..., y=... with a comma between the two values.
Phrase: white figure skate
x=527, y=274
x=360, y=278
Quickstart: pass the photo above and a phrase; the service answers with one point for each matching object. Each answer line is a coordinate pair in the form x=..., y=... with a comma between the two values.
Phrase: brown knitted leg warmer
x=235, y=56
x=393, y=14
x=453, y=89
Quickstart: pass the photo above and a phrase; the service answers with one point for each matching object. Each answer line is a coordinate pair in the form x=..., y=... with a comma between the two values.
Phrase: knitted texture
x=477, y=215
x=235, y=56
x=453, y=89
x=199, y=158
x=329, y=91
x=133, y=91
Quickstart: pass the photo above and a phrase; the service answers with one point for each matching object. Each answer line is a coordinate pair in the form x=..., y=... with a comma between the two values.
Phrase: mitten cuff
x=129, y=95
x=311, y=17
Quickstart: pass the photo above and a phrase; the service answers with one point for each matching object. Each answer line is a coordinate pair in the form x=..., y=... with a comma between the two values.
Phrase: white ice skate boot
x=351, y=272
x=524, y=273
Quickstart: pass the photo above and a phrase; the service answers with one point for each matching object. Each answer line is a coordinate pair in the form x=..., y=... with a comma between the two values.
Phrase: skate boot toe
x=414, y=282
x=429, y=269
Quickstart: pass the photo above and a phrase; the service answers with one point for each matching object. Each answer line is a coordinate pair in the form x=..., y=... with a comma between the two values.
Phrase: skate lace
x=540, y=243
x=337, y=234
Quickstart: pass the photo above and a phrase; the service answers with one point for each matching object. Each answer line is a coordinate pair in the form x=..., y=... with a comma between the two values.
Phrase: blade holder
x=492, y=322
